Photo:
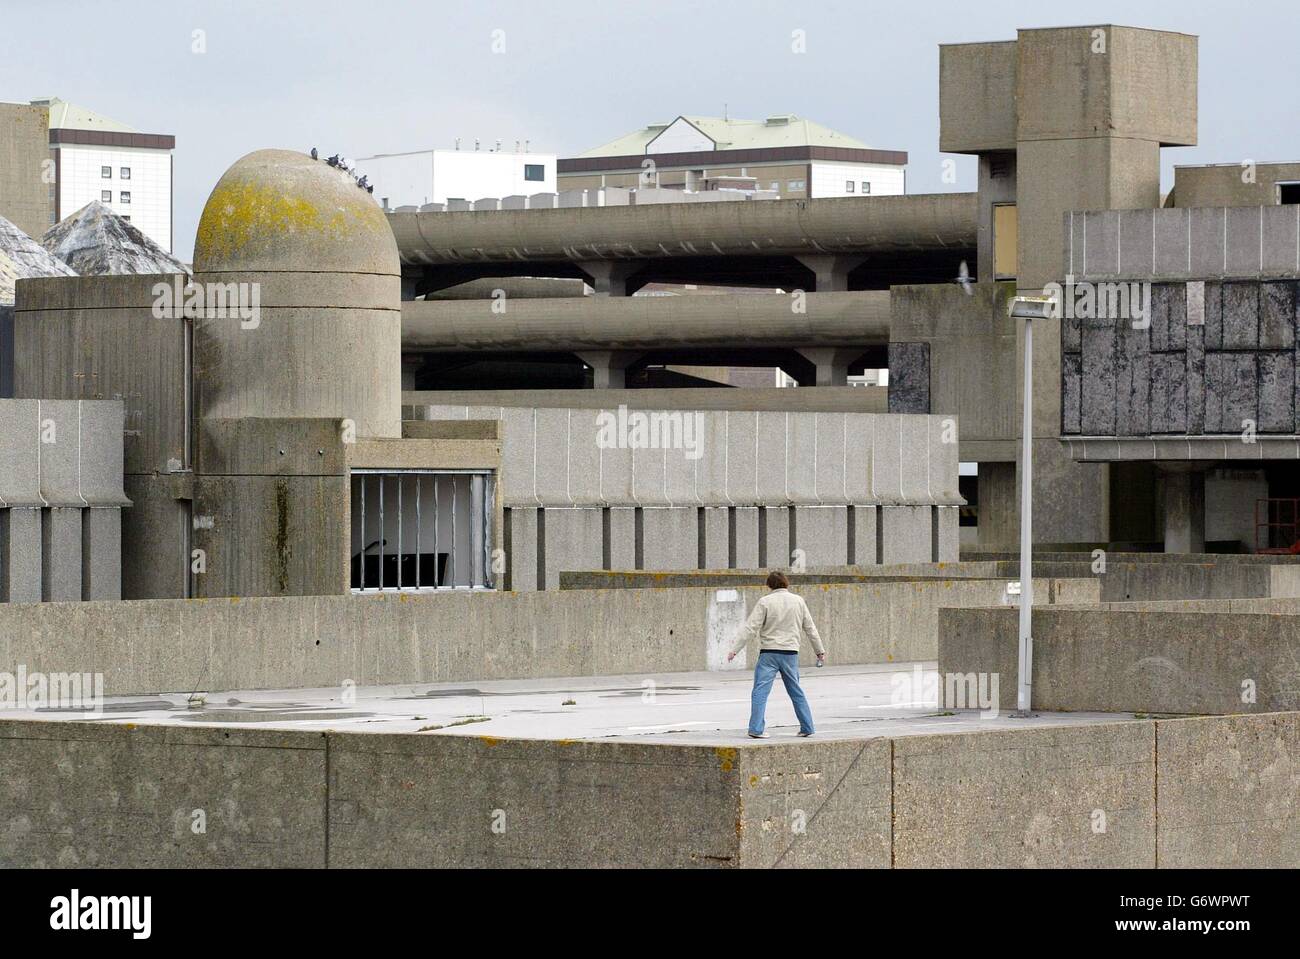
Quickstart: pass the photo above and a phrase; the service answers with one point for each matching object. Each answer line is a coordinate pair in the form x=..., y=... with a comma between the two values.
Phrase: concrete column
x=61, y=549
x=609, y=367
x=1185, y=511
x=101, y=554
x=608, y=277
x=832, y=271
x=412, y=363
x=20, y=555
x=832, y=363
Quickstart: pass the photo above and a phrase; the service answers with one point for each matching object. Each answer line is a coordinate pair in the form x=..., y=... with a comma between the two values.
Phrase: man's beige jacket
x=779, y=620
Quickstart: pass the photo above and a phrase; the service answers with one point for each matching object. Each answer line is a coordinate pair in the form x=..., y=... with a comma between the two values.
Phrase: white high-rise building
x=435, y=176
x=96, y=158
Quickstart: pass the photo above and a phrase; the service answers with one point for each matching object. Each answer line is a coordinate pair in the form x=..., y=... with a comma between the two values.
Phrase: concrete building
x=97, y=159
x=787, y=155
x=437, y=176
x=27, y=173
x=61, y=499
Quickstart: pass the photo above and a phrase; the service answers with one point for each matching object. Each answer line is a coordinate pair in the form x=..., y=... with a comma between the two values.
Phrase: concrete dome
x=281, y=211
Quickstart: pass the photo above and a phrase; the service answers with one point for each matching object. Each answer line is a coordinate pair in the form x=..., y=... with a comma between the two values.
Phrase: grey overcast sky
x=385, y=76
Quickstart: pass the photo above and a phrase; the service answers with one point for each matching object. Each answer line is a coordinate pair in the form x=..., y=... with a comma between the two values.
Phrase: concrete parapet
x=1177, y=793
x=1131, y=658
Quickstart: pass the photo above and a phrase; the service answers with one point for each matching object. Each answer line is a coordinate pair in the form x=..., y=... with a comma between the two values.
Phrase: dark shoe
x=759, y=736
x=804, y=734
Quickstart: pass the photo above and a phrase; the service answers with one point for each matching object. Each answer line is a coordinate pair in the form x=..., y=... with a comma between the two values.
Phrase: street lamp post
x=1027, y=308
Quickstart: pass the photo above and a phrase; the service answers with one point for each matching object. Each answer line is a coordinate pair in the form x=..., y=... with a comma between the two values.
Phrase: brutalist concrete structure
x=26, y=167
x=61, y=499
x=258, y=395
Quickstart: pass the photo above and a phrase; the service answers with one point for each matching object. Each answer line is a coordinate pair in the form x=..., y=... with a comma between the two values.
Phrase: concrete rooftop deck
x=703, y=708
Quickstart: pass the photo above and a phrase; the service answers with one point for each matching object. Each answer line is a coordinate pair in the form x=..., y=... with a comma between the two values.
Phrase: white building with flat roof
x=435, y=176
x=99, y=159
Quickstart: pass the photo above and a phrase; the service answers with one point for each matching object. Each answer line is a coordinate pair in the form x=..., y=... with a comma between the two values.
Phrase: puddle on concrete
x=143, y=705
x=268, y=715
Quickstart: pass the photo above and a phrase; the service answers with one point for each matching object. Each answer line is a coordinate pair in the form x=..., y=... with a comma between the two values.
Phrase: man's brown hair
x=777, y=580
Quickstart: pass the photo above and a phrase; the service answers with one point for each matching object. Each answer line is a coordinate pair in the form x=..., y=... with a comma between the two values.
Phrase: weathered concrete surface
x=1208, y=792
x=150, y=646
x=1026, y=798
x=824, y=399
x=1137, y=657
x=78, y=795
x=24, y=152
x=1229, y=792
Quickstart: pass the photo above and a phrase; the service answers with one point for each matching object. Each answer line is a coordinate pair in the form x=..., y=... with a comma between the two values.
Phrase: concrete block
x=584, y=455
x=864, y=552
x=1168, y=317
x=1207, y=232
x=523, y=559
x=906, y=533
x=1213, y=331
x=717, y=537
x=909, y=377
x=1168, y=393
x=1136, y=239
x=774, y=537
x=1098, y=417
x=1231, y=397
x=1195, y=379
x=915, y=462
x=669, y=538
x=20, y=555
x=1277, y=389
x=1101, y=243
x=831, y=442
x=947, y=533
x=515, y=201
x=1243, y=238
x=744, y=531
x=541, y=201
x=772, y=464
x=944, y=787
x=110, y=795
x=1277, y=315
x=1281, y=244
x=1241, y=316
x=1223, y=802
x=886, y=460
x=1071, y=395
x=487, y=203
x=622, y=537
x=574, y=541
x=821, y=535
x=61, y=550
x=101, y=554
x=1132, y=380
x=1172, y=238
x=742, y=449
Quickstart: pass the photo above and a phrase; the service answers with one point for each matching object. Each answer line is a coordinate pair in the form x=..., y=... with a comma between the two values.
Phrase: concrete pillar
x=832, y=363
x=608, y=277
x=1185, y=510
x=101, y=554
x=61, y=554
x=832, y=272
x=412, y=363
x=609, y=367
x=20, y=555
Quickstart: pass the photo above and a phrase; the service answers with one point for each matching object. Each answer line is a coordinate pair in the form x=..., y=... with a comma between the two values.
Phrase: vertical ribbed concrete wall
x=60, y=500
x=740, y=489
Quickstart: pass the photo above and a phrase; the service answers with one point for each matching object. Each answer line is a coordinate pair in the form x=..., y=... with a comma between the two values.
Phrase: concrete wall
x=1183, y=243
x=1174, y=793
x=61, y=498
x=25, y=195
x=1131, y=658
x=416, y=405
x=801, y=470
x=1215, y=359
x=222, y=644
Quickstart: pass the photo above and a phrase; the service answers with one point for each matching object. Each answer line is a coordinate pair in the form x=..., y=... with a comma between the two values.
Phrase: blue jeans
x=769, y=664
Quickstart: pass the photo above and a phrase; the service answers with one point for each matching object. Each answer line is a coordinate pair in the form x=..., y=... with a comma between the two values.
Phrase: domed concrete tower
x=317, y=332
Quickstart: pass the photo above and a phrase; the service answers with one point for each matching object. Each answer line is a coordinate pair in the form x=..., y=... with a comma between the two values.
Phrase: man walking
x=779, y=620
